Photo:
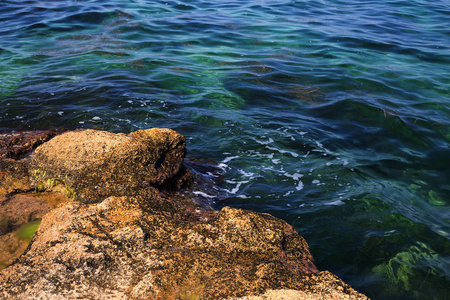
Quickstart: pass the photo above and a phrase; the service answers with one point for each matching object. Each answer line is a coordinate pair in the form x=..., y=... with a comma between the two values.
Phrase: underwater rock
x=97, y=164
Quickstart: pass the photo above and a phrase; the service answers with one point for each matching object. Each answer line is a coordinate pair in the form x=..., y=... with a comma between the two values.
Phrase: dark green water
x=332, y=115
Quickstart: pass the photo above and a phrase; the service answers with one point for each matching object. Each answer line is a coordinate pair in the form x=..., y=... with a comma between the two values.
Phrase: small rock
x=15, y=145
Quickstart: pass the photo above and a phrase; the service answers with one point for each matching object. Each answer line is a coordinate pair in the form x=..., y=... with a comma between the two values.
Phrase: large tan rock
x=97, y=164
x=123, y=248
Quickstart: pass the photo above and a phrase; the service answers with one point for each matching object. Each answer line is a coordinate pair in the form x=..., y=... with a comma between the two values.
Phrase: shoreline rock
x=134, y=236
x=98, y=164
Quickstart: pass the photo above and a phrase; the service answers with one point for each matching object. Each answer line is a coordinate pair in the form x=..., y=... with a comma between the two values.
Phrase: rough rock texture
x=97, y=164
x=133, y=237
x=131, y=248
x=20, y=209
x=22, y=205
x=15, y=145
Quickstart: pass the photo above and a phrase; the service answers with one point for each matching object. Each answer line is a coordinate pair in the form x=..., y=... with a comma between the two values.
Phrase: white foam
x=96, y=118
x=237, y=187
x=227, y=159
x=322, y=149
x=60, y=113
x=288, y=193
x=299, y=186
x=337, y=202
x=264, y=142
x=222, y=166
x=282, y=151
x=250, y=175
x=297, y=176
x=203, y=194
x=258, y=154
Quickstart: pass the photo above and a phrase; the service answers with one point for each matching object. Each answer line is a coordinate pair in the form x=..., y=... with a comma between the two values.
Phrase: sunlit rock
x=97, y=164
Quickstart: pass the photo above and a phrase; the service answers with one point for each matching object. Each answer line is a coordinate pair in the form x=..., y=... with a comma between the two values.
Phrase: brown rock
x=16, y=212
x=15, y=145
x=118, y=250
x=141, y=242
x=98, y=164
x=20, y=209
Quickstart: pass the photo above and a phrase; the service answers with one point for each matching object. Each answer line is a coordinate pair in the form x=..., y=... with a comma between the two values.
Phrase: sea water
x=332, y=115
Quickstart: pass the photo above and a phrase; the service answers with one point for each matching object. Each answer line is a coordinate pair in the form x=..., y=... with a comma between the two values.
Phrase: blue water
x=332, y=115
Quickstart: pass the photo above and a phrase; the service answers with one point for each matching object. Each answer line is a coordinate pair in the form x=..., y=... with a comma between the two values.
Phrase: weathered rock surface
x=98, y=164
x=22, y=205
x=131, y=248
x=15, y=145
x=129, y=239
x=16, y=211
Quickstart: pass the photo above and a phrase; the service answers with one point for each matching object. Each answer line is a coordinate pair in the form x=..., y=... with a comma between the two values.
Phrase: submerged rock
x=128, y=238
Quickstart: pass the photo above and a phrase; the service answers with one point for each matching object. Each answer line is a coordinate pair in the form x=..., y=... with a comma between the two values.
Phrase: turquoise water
x=332, y=115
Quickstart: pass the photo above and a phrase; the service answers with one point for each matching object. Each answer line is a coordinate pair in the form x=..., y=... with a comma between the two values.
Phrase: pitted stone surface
x=98, y=164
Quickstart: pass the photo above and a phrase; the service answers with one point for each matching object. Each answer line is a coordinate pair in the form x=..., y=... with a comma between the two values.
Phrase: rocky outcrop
x=146, y=241
x=132, y=248
x=97, y=164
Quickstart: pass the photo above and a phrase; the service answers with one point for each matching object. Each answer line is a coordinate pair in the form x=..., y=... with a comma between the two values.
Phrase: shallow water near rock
x=331, y=115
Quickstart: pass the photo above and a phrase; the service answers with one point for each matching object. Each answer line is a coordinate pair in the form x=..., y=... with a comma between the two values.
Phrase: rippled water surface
x=332, y=115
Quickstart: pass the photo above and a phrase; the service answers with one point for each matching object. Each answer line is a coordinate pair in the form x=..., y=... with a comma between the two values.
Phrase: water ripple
x=332, y=115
